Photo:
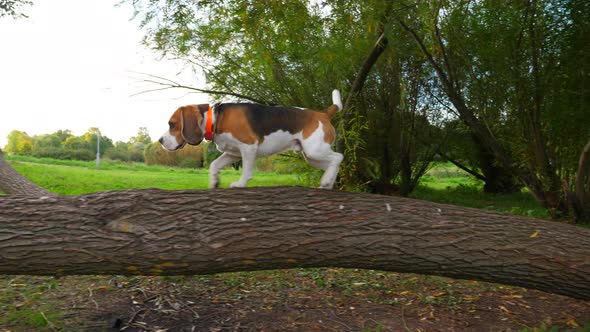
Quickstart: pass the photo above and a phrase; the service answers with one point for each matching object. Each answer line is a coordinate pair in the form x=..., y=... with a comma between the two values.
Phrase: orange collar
x=209, y=126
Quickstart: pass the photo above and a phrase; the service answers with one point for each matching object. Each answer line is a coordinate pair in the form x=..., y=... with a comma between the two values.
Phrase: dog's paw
x=237, y=185
x=214, y=184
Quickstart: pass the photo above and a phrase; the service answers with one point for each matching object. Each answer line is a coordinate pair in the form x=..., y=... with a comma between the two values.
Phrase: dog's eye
x=171, y=124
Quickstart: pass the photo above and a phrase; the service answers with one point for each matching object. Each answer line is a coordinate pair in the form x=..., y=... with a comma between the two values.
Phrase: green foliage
x=295, y=53
x=120, y=151
x=64, y=145
x=210, y=153
x=444, y=183
x=187, y=157
x=517, y=70
x=13, y=8
x=143, y=137
x=19, y=143
x=61, y=153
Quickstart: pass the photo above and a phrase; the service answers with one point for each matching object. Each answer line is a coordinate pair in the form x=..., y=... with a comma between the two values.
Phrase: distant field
x=77, y=177
x=443, y=183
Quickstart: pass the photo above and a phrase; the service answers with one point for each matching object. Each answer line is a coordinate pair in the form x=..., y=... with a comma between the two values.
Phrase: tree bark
x=11, y=182
x=357, y=86
x=582, y=187
x=158, y=232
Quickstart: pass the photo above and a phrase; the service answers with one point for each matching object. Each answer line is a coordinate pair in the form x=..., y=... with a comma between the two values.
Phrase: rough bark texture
x=162, y=232
x=357, y=86
x=11, y=182
x=582, y=193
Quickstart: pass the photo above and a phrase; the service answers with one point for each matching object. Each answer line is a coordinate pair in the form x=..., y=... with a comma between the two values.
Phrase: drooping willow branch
x=166, y=84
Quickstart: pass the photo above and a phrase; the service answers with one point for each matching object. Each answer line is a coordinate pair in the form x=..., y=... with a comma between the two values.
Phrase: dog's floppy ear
x=191, y=130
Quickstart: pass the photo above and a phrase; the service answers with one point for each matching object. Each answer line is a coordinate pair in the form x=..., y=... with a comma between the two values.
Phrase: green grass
x=22, y=304
x=443, y=183
x=77, y=177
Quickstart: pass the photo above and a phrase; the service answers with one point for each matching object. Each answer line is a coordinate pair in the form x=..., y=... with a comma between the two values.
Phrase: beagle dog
x=247, y=131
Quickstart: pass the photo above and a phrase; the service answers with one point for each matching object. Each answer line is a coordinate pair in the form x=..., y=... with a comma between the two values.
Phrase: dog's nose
x=161, y=140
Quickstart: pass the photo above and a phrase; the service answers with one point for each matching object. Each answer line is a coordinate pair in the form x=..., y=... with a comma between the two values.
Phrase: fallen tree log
x=158, y=232
x=11, y=182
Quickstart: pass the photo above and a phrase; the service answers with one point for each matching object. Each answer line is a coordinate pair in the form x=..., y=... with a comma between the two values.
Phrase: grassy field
x=443, y=183
x=77, y=177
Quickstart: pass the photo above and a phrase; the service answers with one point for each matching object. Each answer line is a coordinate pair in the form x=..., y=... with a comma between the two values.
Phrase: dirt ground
x=290, y=300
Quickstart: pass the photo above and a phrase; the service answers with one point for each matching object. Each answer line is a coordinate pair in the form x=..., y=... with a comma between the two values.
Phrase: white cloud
x=69, y=66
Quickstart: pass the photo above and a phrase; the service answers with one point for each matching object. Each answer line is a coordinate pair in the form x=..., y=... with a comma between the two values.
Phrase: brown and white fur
x=247, y=131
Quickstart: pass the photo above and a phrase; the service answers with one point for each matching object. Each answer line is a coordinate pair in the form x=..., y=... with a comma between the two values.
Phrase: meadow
x=444, y=183
x=71, y=177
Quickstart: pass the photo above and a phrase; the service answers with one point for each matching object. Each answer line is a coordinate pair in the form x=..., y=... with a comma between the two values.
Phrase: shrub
x=210, y=153
x=189, y=156
x=59, y=153
x=117, y=154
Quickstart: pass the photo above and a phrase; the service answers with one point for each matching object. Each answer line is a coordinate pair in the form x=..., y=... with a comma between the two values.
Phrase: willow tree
x=500, y=78
x=295, y=53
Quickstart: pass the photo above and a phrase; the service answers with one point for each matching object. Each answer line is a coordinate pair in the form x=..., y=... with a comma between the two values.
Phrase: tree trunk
x=581, y=200
x=357, y=86
x=11, y=182
x=158, y=232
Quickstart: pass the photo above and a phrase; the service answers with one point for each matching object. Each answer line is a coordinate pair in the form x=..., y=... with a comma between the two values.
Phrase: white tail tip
x=337, y=99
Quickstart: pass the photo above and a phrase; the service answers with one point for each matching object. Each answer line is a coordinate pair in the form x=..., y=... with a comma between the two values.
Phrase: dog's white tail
x=337, y=99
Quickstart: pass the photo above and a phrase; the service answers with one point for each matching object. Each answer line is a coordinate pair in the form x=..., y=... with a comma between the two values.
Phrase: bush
x=210, y=153
x=189, y=156
x=59, y=153
x=117, y=154
x=154, y=154
x=137, y=156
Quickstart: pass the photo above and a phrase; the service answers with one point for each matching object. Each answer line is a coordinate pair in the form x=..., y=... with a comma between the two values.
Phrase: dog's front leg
x=217, y=164
x=248, y=161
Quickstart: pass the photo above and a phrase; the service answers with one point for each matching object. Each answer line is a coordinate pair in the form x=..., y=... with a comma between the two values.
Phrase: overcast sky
x=69, y=66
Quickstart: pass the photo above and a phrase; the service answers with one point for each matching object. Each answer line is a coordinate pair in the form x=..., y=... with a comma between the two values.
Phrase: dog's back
x=261, y=121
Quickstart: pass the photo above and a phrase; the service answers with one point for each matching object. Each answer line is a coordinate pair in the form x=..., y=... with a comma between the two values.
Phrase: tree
x=142, y=137
x=77, y=143
x=19, y=142
x=153, y=232
x=13, y=8
x=90, y=138
x=157, y=232
x=47, y=141
x=515, y=126
x=295, y=53
x=523, y=122
x=463, y=149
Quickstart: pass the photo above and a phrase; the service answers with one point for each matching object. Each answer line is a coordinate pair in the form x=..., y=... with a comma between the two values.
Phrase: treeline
x=139, y=148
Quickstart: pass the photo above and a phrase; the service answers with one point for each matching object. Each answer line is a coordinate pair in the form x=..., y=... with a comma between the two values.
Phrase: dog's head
x=186, y=127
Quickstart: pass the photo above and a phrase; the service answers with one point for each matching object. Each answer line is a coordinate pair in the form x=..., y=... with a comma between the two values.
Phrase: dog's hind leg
x=223, y=160
x=330, y=163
